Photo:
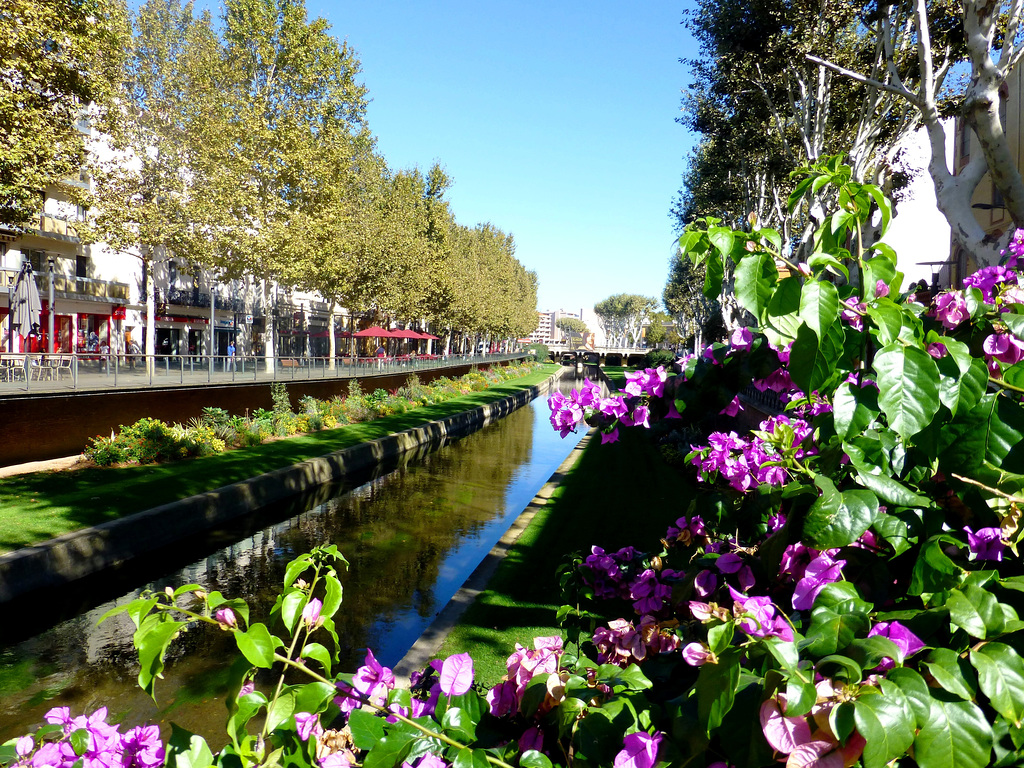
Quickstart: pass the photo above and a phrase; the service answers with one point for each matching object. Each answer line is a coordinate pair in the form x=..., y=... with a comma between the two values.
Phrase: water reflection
x=411, y=536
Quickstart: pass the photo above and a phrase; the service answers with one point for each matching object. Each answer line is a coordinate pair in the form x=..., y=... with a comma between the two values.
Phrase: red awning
x=375, y=332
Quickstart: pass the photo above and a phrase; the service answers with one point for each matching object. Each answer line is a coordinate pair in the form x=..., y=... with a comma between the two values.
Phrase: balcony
x=193, y=297
x=57, y=228
x=87, y=288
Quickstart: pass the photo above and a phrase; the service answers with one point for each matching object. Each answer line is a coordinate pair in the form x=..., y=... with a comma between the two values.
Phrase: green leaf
x=720, y=636
x=79, y=740
x=782, y=318
x=952, y=673
x=314, y=696
x=839, y=519
x=964, y=378
x=1001, y=678
x=813, y=359
x=784, y=651
x=800, y=696
x=187, y=750
x=367, y=729
x=955, y=735
x=908, y=382
x=722, y=238
x=798, y=193
x=332, y=595
x=853, y=409
x=319, y=653
x=531, y=758
x=915, y=689
x=888, y=319
x=831, y=631
x=873, y=478
x=819, y=306
x=885, y=206
x=471, y=758
x=292, y=604
x=296, y=567
x=257, y=646
x=151, y=641
x=933, y=570
x=887, y=724
x=248, y=706
x=975, y=610
x=818, y=261
x=391, y=750
x=714, y=274
x=756, y=276
x=459, y=725
x=280, y=710
x=716, y=688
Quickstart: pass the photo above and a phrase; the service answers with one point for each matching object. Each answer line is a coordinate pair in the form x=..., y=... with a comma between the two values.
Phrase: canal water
x=412, y=535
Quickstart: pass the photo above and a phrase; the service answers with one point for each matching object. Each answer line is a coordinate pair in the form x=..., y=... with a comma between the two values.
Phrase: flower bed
x=151, y=440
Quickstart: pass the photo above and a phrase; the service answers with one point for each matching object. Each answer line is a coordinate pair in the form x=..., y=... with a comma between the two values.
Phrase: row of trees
x=242, y=147
x=783, y=83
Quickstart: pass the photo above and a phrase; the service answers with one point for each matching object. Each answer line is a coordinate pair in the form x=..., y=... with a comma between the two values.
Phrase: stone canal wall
x=79, y=554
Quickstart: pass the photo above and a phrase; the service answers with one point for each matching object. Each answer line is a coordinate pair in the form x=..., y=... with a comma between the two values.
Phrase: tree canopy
x=56, y=59
x=623, y=317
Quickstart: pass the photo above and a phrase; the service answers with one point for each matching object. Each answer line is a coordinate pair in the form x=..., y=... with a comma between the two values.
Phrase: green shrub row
x=149, y=441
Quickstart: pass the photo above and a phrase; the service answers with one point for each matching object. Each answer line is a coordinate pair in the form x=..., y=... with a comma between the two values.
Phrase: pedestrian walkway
x=32, y=373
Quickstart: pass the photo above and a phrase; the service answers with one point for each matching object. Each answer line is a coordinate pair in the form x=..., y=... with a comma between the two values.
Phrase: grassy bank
x=39, y=506
x=616, y=495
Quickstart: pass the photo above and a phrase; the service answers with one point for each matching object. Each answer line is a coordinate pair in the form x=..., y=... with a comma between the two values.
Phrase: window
x=81, y=266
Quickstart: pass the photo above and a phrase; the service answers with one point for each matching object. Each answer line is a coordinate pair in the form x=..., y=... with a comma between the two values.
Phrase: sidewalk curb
x=426, y=647
x=81, y=553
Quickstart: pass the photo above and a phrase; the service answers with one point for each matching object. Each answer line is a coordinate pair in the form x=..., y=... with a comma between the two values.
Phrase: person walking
x=231, y=355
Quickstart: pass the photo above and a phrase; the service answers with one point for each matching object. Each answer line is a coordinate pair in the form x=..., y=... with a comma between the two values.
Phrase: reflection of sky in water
x=412, y=537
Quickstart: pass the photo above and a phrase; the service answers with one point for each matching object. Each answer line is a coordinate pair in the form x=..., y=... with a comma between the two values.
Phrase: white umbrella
x=25, y=304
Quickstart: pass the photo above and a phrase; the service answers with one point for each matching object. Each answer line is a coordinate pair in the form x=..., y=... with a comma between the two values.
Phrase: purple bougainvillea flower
x=853, y=315
x=639, y=750
x=307, y=724
x=610, y=437
x=951, y=309
x=533, y=738
x=730, y=562
x=881, y=289
x=141, y=748
x=502, y=699
x=988, y=279
x=760, y=618
x=733, y=408
x=705, y=583
x=23, y=746
x=696, y=654
x=741, y=339
x=784, y=734
x=986, y=543
x=613, y=406
x=937, y=350
x=226, y=617
x=457, y=674
x=907, y=642
x=311, y=612
x=336, y=760
x=820, y=571
x=373, y=680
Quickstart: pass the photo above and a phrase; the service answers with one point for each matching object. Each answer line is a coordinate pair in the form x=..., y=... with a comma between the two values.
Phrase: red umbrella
x=374, y=331
x=400, y=334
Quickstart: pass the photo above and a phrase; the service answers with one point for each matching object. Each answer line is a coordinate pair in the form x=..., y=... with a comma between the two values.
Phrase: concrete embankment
x=79, y=554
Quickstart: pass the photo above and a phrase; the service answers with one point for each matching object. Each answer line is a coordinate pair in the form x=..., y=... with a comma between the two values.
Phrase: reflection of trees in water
x=395, y=531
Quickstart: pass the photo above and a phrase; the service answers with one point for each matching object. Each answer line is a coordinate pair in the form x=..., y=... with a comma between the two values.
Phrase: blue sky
x=555, y=120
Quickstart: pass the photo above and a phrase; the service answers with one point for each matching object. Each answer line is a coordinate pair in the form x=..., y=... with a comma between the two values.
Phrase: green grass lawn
x=39, y=506
x=616, y=495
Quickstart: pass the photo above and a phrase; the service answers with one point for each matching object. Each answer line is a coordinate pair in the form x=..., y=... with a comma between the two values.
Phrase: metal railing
x=29, y=372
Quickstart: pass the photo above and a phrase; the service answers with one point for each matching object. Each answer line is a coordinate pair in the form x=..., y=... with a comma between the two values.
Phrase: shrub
x=540, y=352
x=657, y=357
